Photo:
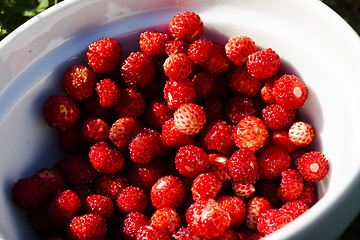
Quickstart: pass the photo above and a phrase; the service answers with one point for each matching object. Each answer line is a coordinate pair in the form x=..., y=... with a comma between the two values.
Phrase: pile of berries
x=184, y=139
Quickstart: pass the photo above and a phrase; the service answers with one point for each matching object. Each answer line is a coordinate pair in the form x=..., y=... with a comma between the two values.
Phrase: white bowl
x=311, y=39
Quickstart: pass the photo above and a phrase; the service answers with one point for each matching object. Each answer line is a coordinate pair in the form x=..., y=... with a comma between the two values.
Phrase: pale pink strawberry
x=244, y=191
x=190, y=118
x=301, y=133
x=254, y=208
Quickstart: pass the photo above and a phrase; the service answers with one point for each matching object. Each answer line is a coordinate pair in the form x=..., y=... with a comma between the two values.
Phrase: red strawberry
x=138, y=70
x=219, y=166
x=63, y=208
x=189, y=118
x=168, y=191
x=110, y=185
x=76, y=169
x=309, y=195
x=191, y=160
x=272, y=220
x=109, y=92
x=290, y=92
x=167, y=220
x=28, y=194
x=186, y=26
x=178, y=66
x=150, y=232
x=281, y=138
x=95, y=130
x=205, y=185
x=153, y=43
x=239, y=107
x=313, y=166
x=218, y=63
x=176, y=46
x=61, y=112
x=131, y=104
x=263, y=64
x=177, y=93
x=243, y=166
x=122, y=131
x=291, y=185
x=105, y=158
x=250, y=133
x=266, y=92
x=276, y=117
x=52, y=181
x=132, y=199
x=98, y=204
x=242, y=83
x=236, y=208
x=157, y=113
x=207, y=219
x=244, y=191
x=254, y=208
x=145, y=146
x=294, y=208
x=79, y=82
x=272, y=161
x=173, y=138
x=301, y=133
x=204, y=83
x=132, y=223
x=184, y=233
x=200, y=51
x=238, y=48
x=89, y=226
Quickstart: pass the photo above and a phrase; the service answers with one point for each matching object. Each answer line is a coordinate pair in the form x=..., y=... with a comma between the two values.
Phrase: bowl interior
x=33, y=59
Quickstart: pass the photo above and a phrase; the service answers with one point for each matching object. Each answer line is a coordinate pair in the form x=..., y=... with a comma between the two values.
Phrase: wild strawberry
x=110, y=185
x=153, y=43
x=205, y=185
x=63, y=208
x=204, y=83
x=132, y=199
x=239, y=107
x=309, y=195
x=61, y=112
x=105, y=158
x=173, y=138
x=151, y=233
x=28, y=194
x=243, y=166
x=207, y=219
x=138, y=70
x=95, y=130
x=218, y=63
x=217, y=136
x=219, y=166
x=281, y=138
x=168, y=191
x=157, y=113
x=191, y=160
x=236, y=208
x=291, y=185
x=313, y=166
x=276, y=117
x=244, y=191
x=272, y=220
x=189, y=118
x=88, y=226
x=254, y=208
x=250, y=133
x=184, y=233
x=178, y=66
x=263, y=64
x=176, y=46
x=242, y=83
x=145, y=176
x=294, y=208
x=238, y=48
x=132, y=223
x=272, y=161
x=295, y=157
x=186, y=26
x=177, y=93
x=79, y=82
x=200, y=51
x=98, y=204
x=266, y=91
x=214, y=108
x=122, y=131
x=109, y=92
x=52, y=181
x=71, y=141
x=290, y=92
x=167, y=220
x=268, y=189
x=301, y=133
x=104, y=55
x=131, y=104
x=145, y=146
x=76, y=169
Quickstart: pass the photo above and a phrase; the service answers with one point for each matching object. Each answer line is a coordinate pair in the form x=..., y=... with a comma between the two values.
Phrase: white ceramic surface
x=311, y=39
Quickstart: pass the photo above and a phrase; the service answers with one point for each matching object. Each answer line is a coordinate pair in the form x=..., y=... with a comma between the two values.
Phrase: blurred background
x=15, y=12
